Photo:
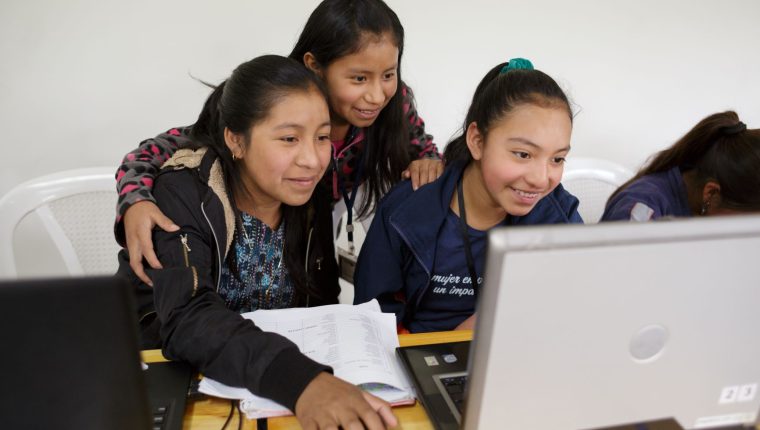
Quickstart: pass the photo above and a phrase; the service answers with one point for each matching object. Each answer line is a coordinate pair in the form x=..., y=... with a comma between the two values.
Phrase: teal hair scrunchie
x=517, y=63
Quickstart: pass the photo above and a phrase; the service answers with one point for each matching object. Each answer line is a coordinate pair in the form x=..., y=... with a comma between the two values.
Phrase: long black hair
x=720, y=149
x=239, y=103
x=499, y=92
x=337, y=28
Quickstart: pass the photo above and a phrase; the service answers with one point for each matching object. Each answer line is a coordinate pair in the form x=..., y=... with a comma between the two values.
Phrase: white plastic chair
x=593, y=181
x=76, y=207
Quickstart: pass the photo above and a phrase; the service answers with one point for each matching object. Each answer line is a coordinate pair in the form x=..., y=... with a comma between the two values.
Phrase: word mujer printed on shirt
x=453, y=285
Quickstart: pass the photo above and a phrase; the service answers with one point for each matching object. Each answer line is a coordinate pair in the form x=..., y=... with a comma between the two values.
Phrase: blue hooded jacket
x=396, y=259
x=654, y=196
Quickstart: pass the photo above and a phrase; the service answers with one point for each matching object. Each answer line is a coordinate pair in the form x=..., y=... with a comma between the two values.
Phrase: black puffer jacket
x=184, y=315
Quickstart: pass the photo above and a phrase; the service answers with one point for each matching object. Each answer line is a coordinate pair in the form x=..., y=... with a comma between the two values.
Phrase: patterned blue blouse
x=263, y=281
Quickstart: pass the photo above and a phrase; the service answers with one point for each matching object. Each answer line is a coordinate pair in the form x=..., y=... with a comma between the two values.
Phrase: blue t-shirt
x=450, y=297
x=650, y=197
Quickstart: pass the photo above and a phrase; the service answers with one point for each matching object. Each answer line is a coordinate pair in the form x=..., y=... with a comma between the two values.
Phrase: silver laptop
x=594, y=326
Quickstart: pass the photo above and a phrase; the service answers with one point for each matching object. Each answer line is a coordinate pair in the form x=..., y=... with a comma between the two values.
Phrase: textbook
x=358, y=342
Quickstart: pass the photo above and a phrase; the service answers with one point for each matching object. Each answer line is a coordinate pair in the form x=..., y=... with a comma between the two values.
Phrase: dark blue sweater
x=650, y=197
x=397, y=258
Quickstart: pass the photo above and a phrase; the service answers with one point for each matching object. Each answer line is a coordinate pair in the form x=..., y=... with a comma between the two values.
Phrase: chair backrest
x=593, y=181
x=76, y=208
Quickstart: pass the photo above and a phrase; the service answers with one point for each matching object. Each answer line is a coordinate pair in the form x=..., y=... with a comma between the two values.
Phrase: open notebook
x=358, y=342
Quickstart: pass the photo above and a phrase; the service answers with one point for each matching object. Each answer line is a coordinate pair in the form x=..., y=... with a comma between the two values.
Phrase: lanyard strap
x=466, y=237
x=349, y=199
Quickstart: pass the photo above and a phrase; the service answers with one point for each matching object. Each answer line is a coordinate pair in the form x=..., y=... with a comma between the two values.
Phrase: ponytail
x=694, y=146
x=504, y=88
x=718, y=149
x=207, y=126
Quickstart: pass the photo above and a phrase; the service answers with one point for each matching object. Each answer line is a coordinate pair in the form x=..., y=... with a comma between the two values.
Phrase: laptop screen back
x=70, y=357
x=592, y=326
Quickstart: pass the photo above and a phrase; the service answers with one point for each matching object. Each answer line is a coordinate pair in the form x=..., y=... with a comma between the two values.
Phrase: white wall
x=83, y=81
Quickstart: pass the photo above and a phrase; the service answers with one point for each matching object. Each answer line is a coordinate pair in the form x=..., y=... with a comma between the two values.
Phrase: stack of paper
x=358, y=342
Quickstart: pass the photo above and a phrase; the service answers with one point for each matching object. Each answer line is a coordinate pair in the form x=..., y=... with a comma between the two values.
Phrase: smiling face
x=521, y=158
x=361, y=84
x=287, y=153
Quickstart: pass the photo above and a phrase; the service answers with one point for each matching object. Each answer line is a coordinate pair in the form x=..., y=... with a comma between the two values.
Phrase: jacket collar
x=209, y=169
x=418, y=220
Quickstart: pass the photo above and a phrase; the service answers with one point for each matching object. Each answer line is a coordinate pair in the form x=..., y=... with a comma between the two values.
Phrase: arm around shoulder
x=197, y=326
x=138, y=169
x=419, y=140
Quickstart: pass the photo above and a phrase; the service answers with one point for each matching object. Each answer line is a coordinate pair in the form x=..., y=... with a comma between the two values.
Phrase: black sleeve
x=196, y=325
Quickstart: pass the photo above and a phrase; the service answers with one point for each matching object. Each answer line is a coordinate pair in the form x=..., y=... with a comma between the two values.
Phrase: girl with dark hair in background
x=355, y=47
x=504, y=170
x=252, y=234
x=712, y=170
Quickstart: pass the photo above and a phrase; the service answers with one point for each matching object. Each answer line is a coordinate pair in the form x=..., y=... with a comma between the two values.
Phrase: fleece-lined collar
x=192, y=159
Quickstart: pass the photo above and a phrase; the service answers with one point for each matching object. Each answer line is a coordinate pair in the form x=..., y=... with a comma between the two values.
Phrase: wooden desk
x=210, y=414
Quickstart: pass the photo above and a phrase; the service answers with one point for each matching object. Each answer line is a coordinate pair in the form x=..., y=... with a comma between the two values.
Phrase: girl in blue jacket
x=423, y=255
x=712, y=170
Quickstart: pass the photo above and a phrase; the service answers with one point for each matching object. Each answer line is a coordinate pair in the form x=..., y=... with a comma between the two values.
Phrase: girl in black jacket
x=254, y=233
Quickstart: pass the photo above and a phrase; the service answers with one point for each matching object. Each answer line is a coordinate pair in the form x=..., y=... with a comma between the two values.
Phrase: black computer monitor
x=70, y=356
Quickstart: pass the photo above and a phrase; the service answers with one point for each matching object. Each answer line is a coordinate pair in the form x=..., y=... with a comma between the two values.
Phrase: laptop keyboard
x=167, y=385
x=454, y=386
x=160, y=415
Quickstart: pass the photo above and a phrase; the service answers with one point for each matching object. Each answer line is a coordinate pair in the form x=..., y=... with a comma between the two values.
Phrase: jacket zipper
x=146, y=316
x=348, y=146
x=185, y=248
x=317, y=261
x=306, y=261
x=185, y=251
x=419, y=260
x=218, y=250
